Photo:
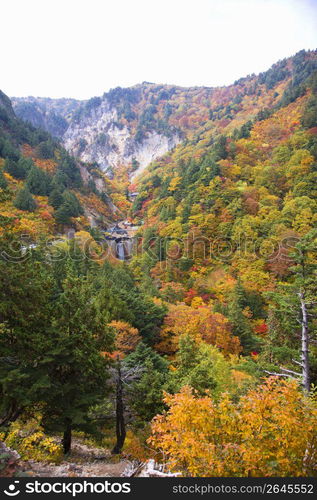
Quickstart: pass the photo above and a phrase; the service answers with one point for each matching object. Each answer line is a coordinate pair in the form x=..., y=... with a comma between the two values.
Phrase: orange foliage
x=126, y=337
x=200, y=323
x=270, y=432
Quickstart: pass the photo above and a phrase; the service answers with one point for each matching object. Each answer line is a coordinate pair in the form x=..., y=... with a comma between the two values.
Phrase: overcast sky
x=82, y=48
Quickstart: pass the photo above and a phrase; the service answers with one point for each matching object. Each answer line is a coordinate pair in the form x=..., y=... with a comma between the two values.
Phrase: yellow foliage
x=127, y=337
x=201, y=324
x=272, y=431
x=28, y=438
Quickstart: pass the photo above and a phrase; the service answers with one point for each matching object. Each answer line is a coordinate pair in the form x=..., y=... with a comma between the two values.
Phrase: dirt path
x=84, y=461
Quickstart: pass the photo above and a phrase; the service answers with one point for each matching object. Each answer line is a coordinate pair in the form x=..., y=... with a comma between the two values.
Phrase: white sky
x=82, y=48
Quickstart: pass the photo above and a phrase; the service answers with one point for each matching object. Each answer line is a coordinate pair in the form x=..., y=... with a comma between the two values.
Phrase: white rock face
x=94, y=130
x=154, y=146
x=99, y=138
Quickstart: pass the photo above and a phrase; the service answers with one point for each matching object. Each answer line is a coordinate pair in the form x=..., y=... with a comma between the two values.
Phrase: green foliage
x=46, y=149
x=38, y=181
x=146, y=395
x=56, y=198
x=27, y=437
x=51, y=344
x=131, y=304
x=202, y=367
x=15, y=168
x=3, y=181
x=240, y=324
x=70, y=207
x=309, y=118
x=24, y=200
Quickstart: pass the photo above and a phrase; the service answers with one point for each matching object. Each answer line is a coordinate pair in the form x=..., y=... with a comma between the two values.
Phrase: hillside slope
x=222, y=217
x=139, y=124
x=43, y=189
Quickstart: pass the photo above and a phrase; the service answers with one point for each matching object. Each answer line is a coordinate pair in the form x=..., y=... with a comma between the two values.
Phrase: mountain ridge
x=143, y=122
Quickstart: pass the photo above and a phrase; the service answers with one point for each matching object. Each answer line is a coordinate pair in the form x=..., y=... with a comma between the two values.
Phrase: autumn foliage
x=272, y=431
x=200, y=323
x=126, y=337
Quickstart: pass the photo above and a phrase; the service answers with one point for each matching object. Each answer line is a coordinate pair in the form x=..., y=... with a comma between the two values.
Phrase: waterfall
x=120, y=250
x=128, y=246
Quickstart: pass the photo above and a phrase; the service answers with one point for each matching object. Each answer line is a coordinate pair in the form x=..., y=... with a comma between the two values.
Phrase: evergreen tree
x=15, y=168
x=24, y=339
x=46, y=149
x=24, y=200
x=38, y=181
x=62, y=215
x=240, y=324
x=25, y=164
x=71, y=202
x=71, y=171
x=146, y=394
x=144, y=353
x=56, y=198
x=3, y=181
x=70, y=207
x=59, y=181
x=75, y=364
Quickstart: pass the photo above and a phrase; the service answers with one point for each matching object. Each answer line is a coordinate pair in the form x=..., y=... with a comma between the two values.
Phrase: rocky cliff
x=139, y=124
x=121, y=127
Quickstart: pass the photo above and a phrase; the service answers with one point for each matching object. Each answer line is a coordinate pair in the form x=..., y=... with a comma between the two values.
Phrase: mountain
x=137, y=125
x=43, y=189
x=211, y=326
x=229, y=213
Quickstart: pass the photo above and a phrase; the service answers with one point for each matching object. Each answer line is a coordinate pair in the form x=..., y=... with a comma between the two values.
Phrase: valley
x=158, y=278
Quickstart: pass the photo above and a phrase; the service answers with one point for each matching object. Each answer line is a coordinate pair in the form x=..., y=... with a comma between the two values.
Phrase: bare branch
x=290, y=371
x=297, y=362
x=279, y=374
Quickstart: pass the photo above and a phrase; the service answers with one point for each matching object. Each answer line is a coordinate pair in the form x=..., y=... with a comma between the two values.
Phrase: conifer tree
x=38, y=181
x=24, y=200
x=75, y=364
x=3, y=181
x=15, y=168
x=240, y=324
x=56, y=198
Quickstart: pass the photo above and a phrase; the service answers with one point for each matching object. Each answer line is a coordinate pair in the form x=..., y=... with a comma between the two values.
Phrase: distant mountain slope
x=223, y=201
x=43, y=189
x=141, y=123
x=52, y=115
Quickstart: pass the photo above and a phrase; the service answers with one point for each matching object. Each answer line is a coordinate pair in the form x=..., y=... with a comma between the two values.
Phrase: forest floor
x=83, y=461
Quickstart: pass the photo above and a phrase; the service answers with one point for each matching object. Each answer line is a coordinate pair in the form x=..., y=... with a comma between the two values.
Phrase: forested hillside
x=201, y=350
x=137, y=125
x=45, y=190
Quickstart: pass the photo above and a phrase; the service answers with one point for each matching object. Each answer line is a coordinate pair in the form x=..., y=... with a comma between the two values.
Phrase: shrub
x=29, y=439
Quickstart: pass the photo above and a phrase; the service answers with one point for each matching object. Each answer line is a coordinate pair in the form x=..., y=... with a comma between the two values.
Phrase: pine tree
x=240, y=324
x=24, y=339
x=56, y=198
x=70, y=207
x=74, y=362
x=146, y=394
x=38, y=181
x=3, y=181
x=71, y=202
x=15, y=168
x=24, y=200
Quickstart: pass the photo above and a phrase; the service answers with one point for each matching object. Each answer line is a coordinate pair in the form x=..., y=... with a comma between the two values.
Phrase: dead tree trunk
x=305, y=344
x=120, y=422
